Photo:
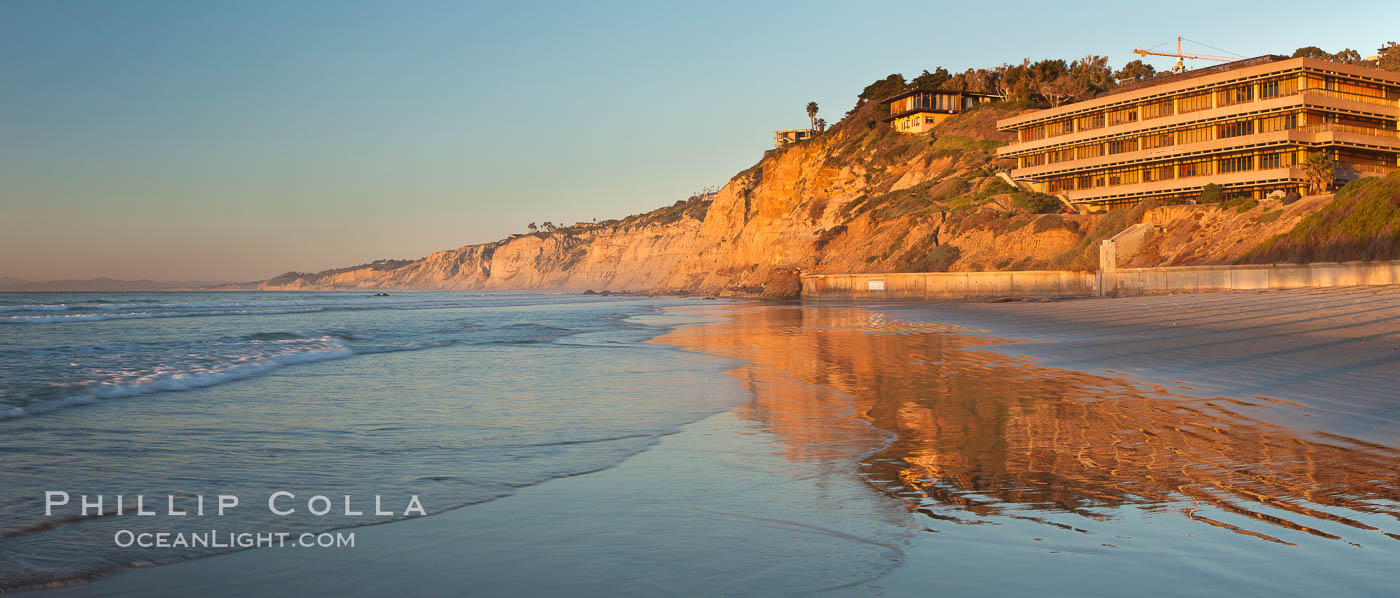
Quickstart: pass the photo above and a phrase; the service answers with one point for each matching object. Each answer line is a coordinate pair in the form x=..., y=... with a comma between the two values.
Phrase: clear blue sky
x=239, y=140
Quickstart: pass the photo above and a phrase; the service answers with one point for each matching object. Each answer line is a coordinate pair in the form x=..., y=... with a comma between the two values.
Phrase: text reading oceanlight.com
x=216, y=539
x=281, y=503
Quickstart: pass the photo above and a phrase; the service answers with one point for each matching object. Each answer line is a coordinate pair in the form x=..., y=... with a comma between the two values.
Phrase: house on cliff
x=918, y=111
x=790, y=136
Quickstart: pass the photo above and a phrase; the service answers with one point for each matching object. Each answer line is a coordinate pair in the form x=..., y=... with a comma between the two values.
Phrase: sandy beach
x=1241, y=443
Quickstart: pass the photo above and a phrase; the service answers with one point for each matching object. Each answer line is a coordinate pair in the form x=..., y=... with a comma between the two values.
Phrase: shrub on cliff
x=1361, y=223
x=1212, y=193
x=1036, y=203
x=936, y=259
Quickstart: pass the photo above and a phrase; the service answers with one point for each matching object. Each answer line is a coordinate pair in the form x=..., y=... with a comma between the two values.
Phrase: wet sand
x=1239, y=443
x=1323, y=360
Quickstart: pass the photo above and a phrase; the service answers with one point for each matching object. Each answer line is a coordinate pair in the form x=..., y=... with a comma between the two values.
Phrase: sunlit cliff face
x=979, y=436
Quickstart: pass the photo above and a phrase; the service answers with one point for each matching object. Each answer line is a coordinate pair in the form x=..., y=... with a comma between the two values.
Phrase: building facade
x=785, y=137
x=919, y=111
x=1246, y=126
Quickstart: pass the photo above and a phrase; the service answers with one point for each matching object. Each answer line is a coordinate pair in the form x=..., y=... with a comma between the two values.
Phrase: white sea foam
x=137, y=310
x=143, y=315
x=189, y=371
x=188, y=368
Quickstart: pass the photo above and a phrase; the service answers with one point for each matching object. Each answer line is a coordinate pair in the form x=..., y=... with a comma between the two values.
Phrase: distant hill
x=11, y=284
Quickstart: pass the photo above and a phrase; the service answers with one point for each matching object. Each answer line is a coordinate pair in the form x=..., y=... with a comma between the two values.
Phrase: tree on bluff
x=1136, y=71
x=931, y=81
x=1346, y=56
x=883, y=88
x=1390, y=57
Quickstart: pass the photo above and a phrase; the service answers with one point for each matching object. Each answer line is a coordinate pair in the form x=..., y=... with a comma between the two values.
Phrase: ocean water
x=457, y=398
x=823, y=450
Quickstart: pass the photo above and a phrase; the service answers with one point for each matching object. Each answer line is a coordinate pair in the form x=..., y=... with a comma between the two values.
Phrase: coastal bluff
x=861, y=198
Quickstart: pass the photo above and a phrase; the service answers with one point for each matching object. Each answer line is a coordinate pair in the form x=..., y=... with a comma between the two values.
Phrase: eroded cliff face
x=858, y=198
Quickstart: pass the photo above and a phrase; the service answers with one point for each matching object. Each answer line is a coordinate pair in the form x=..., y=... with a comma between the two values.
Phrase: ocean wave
x=198, y=371
x=99, y=310
x=145, y=315
x=182, y=368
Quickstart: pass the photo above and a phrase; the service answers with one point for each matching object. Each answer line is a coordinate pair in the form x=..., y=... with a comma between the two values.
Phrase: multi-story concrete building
x=919, y=111
x=1246, y=126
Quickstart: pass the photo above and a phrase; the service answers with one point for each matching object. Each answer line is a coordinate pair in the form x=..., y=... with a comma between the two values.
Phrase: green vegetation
x=1388, y=58
x=828, y=236
x=696, y=207
x=1361, y=223
x=1320, y=171
x=1241, y=204
x=1136, y=71
x=933, y=259
x=1036, y=203
x=1212, y=193
x=1270, y=216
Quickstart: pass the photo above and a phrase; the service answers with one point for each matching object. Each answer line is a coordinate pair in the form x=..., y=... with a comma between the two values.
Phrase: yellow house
x=919, y=111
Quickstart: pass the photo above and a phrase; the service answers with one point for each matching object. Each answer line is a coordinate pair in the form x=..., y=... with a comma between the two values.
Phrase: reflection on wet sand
x=979, y=436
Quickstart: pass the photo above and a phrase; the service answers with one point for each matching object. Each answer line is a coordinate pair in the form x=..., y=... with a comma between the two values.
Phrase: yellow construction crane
x=1180, y=57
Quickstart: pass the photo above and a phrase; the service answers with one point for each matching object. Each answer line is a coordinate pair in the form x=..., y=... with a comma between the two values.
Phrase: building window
x=1193, y=168
x=1194, y=135
x=1236, y=129
x=1236, y=164
x=1281, y=122
x=1118, y=117
x=1119, y=146
x=1238, y=94
x=1268, y=161
x=1159, y=173
x=1085, y=123
x=1156, y=141
x=1157, y=110
x=1192, y=103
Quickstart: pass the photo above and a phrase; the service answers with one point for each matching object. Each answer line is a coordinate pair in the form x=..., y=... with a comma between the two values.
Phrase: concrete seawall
x=947, y=286
x=1207, y=279
x=965, y=286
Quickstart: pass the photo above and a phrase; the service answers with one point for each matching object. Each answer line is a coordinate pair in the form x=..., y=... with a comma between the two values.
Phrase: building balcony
x=1324, y=99
x=1312, y=136
x=1286, y=175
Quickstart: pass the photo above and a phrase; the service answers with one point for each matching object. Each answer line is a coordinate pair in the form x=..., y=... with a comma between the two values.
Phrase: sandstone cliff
x=857, y=198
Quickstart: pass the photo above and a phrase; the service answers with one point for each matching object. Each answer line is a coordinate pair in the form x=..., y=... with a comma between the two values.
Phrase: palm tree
x=1320, y=172
x=812, y=113
x=821, y=124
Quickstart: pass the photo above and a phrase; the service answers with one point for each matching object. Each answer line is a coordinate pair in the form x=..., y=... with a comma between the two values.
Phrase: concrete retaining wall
x=963, y=286
x=947, y=286
x=1207, y=279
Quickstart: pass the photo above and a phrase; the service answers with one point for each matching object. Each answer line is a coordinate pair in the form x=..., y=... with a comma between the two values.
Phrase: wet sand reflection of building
x=979, y=435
